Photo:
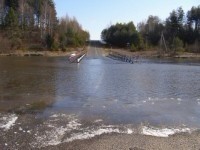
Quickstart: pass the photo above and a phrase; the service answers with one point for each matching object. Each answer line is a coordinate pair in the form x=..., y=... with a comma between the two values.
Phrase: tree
x=121, y=35
x=12, y=4
x=70, y=33
x=194, y=17
x=11, y=20
x=174, y=24
x=177, y=45
x=151, y=30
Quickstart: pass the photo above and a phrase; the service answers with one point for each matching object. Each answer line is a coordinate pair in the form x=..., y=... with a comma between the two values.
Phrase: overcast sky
x=95, y=15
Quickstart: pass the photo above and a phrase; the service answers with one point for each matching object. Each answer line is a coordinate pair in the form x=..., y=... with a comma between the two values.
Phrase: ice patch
x=96, y=132
x=8, y=121
x=129, y=131
x=55, y=134
x=73, y=124
x=91, y=134
x=179, y=99
x=98, y=120
x=53, y=137
x=162, y=132
x=20, y=129
x=58, y=115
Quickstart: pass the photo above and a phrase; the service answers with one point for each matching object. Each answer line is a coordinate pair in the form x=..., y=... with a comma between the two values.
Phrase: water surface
x=101, y=91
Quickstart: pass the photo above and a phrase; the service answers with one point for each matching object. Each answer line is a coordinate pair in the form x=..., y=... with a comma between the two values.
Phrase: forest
x=179, y=32
x=33, y=25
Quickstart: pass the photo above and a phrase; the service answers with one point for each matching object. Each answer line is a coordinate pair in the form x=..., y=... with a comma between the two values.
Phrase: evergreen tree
x=14, y=4
x=11, y=20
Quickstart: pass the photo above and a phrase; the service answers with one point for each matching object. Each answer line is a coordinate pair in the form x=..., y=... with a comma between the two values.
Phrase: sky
x=96, y=15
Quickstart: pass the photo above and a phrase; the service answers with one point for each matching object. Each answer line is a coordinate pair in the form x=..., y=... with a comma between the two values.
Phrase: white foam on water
x=165, y=132
x=8, y=121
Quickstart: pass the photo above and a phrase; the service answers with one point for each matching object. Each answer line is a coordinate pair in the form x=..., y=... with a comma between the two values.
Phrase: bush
x=178, y=44
x=133, y=48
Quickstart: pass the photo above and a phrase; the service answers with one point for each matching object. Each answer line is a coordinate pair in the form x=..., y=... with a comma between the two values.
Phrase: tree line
x=122, y=35
x=33, y=24
x=179, y=32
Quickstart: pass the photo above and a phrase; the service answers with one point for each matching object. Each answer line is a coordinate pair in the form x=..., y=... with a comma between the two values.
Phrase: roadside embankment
x=130, y=57
x=43, y=53
x=149, y=54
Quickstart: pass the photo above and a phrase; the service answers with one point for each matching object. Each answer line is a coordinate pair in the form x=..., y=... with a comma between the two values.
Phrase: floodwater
x=54, y=101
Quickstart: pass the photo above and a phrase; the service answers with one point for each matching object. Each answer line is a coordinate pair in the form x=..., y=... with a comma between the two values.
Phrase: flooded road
x=47, y=101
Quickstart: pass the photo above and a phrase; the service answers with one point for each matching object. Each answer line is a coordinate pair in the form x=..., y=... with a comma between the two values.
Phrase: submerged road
x=95, y=52
x=45, y=103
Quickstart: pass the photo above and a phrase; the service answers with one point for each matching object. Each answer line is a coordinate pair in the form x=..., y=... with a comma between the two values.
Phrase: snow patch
x=8, y=121
x=165, y=132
